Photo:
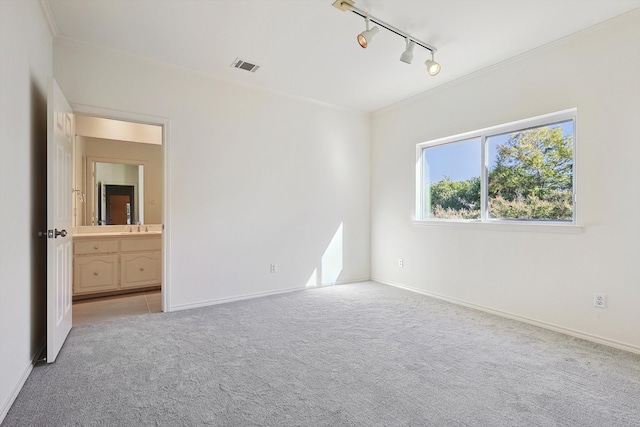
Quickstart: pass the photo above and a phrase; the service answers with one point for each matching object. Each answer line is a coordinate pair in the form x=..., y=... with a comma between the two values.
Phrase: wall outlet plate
x=599, y=300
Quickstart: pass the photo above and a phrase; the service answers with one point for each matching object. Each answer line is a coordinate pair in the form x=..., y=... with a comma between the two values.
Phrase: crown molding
x=46, y=9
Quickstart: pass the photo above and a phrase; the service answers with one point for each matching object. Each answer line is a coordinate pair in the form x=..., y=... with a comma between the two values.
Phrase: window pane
x=531, y=173
x=451, y=180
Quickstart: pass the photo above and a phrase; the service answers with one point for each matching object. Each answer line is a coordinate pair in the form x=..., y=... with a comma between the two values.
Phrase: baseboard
x=15, y=391
x=217, y=301
x=346, y=282
x=210, y=302
x=530, y=321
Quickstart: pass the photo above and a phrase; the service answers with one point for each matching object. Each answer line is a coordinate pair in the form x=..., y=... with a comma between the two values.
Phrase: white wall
x=25, y=68
x=254, y=177
x=537, y=276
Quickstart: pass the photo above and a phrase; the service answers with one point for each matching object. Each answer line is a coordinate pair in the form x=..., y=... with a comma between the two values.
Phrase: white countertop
x=118, y=234
x=117, y=231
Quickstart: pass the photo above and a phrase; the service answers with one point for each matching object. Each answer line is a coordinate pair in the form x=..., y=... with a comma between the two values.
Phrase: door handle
x=51, y=234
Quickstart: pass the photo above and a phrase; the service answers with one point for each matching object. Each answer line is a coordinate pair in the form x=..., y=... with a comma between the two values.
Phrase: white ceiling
x=308, y=48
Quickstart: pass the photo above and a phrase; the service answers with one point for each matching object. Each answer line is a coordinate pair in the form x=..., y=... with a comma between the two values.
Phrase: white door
x=60, y=131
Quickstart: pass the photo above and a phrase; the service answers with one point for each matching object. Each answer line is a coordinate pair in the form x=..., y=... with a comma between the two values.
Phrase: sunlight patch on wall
x=313, y=280
x=332, y=259
x=330, y=268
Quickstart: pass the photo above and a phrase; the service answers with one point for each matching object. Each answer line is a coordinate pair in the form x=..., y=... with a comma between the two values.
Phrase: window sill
x=530, y=227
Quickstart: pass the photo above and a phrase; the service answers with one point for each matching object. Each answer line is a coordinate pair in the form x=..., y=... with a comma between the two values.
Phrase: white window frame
x=484, y=221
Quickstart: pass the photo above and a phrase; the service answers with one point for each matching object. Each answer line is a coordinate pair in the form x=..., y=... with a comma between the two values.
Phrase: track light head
x=365, y=37
x=433, y=67
x=407, y=55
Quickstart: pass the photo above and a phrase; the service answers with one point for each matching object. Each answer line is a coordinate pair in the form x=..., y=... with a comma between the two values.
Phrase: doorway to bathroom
x=119, y=255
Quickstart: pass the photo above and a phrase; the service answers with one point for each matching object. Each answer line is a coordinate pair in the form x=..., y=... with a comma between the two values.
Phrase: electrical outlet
x=400, y=263
x=599, y=300
x=273, y=268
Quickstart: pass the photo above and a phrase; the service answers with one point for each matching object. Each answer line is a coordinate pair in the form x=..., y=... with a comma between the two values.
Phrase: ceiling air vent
x=244, y=65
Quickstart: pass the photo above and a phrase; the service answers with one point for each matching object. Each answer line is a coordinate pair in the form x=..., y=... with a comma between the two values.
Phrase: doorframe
x=127, y=116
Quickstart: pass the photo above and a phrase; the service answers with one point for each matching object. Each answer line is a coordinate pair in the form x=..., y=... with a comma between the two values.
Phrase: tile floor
x=112, y=307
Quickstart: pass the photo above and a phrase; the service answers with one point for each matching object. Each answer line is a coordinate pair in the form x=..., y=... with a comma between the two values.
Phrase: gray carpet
x=352, y=355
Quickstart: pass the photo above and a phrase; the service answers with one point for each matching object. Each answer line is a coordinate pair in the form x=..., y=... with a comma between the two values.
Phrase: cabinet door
x=95, y=274
x=140, y=269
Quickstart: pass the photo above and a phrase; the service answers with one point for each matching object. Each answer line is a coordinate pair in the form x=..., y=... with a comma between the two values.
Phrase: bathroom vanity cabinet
x=116, y=263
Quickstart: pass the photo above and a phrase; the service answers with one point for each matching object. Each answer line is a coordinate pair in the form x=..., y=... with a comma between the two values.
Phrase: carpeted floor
x=353, y=355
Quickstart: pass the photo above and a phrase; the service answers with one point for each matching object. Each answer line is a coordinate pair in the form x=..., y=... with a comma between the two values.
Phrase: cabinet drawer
x=140, y=269
x=95, y=274
x=84, y=247
x=132, y=244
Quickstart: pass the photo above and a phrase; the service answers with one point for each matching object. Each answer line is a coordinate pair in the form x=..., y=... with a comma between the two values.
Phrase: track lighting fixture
x=407, y=55
x=364, y=38
x=433, y=67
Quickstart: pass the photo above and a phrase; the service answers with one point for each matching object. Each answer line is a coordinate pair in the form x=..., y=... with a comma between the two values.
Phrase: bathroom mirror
x=116, y=192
